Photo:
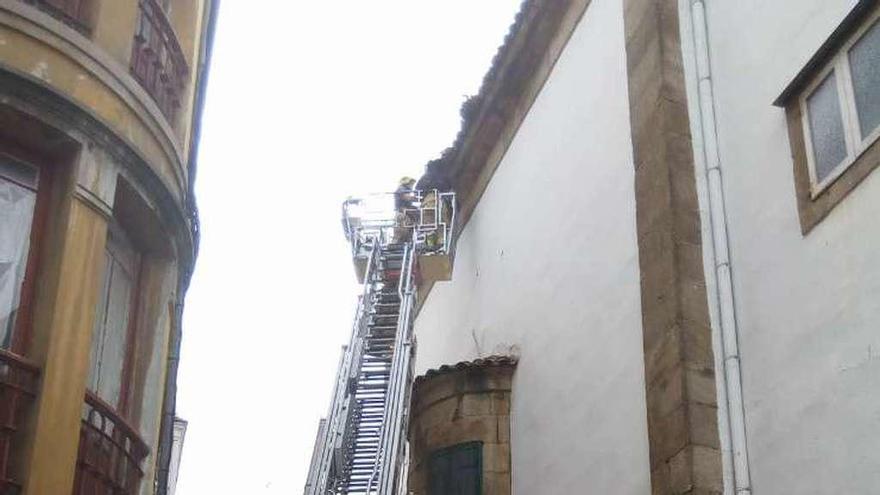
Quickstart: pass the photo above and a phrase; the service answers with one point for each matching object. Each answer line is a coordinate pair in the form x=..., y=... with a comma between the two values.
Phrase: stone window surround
x=816, y=200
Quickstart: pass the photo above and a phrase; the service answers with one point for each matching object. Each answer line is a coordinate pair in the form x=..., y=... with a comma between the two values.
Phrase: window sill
x=815, y=202
x=816, y=189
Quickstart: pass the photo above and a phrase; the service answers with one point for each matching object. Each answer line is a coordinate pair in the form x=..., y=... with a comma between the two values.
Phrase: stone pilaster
x=679, y=363
x=62, y=340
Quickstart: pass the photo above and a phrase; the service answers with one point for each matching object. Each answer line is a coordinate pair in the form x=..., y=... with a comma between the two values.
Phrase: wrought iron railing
x=157, y=61
x=73, y=12
x=111, y=453
x=18, y=387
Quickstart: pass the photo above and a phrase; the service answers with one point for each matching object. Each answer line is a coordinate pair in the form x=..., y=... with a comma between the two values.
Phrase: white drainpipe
x=731, y=420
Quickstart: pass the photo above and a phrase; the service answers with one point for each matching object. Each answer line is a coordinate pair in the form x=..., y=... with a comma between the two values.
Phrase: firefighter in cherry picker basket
x=404, y=207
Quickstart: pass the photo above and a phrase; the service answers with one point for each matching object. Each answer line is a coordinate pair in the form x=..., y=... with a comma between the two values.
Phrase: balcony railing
x=18, y=387
x=111, y=453
x=73, y=12
x=157, y=61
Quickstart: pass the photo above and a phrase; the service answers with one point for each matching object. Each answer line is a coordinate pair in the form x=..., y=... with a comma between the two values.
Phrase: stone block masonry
x=467, y=402
x=679, y=363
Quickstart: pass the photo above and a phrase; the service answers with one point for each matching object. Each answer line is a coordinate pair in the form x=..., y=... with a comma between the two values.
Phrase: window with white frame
x=841, y=108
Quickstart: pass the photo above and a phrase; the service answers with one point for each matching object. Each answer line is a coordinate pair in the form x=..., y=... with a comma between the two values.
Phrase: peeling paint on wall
x=41, y=70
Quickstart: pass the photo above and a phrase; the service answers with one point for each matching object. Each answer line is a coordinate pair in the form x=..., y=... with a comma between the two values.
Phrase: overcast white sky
x=309, y=102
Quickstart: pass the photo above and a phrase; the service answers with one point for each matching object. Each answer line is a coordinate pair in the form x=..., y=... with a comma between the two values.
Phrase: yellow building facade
x=100, y=103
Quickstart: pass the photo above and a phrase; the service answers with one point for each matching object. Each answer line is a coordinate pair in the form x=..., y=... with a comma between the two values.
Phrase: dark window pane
x=440, y=473
x=826, y=127
x=864, y=60
x=19, y=173
x=456, y=470
x=468, y=483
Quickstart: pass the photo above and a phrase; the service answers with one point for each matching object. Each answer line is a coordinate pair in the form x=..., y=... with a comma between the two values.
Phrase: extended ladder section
x=398, y=241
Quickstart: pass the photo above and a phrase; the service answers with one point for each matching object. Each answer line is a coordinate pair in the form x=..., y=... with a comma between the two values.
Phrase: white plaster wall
x=548, y=267
x=808, y=307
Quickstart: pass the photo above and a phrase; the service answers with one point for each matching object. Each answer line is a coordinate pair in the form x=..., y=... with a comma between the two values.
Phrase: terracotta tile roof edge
x=486, y=362
x=489, y=118
x=476, y=104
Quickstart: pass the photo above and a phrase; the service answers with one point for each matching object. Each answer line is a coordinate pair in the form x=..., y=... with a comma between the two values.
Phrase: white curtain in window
x=111, y=322
x=16, y=216
x=100, y=318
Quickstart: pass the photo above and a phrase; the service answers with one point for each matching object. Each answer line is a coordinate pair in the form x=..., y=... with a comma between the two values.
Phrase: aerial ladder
x=398, y=241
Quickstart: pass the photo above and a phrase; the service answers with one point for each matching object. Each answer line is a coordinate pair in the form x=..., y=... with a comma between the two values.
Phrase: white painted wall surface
x=548, y=265
x=808, y=307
